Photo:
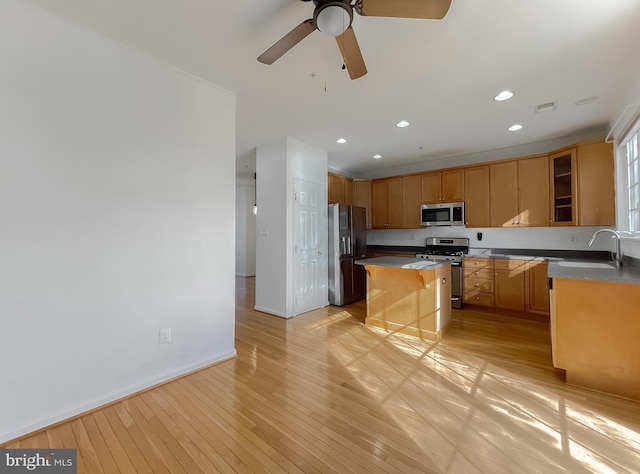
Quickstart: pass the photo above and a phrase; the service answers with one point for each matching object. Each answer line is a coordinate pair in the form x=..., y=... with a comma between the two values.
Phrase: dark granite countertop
x=598, y=270
x=401, y=262
x=571, y=264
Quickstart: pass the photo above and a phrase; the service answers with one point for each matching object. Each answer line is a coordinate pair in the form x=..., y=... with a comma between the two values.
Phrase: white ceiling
x=439, y=75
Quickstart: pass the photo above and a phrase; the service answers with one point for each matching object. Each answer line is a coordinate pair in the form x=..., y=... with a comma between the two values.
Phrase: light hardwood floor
x=324, y=393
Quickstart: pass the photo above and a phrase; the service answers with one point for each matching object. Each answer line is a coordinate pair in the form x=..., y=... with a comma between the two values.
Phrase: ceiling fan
x=334, y=18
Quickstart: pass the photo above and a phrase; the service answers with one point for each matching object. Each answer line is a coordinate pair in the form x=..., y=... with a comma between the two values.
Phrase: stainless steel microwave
x=444, y=213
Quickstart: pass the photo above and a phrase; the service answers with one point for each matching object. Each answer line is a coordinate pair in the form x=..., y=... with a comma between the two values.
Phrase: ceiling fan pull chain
x=325, y=64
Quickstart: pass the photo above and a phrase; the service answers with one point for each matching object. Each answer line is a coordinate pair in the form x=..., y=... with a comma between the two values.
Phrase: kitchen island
x=408, y=295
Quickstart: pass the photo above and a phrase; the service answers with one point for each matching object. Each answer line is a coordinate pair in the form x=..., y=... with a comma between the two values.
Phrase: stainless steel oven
x=448, y=250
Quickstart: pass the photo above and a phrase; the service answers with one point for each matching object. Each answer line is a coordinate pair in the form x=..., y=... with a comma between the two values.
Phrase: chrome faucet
x=617, y=236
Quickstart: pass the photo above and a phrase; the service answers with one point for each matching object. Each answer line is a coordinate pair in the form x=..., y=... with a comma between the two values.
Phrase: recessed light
x=515, y=127
x=341, y=140
x=377, y=157
x=504, y=95
x=402, y=124
x=587, y=100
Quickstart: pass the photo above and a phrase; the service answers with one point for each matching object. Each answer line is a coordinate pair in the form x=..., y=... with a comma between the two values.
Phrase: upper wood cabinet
x=596, y=192
x=362, y=197
x=574, y=186
x=443, y=186
x=581, y=185
x=520, y=193
x=533, y=192
x=503, y=179
x=411, y=200
x=563, y=183
x=340, y=189
x=386, y=203
x=476, y=196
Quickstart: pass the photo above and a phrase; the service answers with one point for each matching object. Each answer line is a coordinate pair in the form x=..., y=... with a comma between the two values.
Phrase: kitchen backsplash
x=545, y=238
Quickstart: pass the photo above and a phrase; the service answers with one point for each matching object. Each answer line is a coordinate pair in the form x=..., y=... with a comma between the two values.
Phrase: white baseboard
x=114, y=396
x=262, y=309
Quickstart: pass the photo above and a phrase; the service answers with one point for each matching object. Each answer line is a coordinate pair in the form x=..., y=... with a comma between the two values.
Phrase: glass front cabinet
x=563, y=187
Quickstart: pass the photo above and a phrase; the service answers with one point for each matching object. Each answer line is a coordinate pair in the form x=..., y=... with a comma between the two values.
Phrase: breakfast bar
x=408, y=295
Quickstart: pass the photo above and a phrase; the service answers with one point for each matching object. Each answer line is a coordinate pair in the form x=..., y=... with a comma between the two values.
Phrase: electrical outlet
x=573, y=238
x=165, y=335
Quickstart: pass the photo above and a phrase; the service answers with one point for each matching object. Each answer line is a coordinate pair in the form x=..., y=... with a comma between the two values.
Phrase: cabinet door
x=394, y=203
x=453, y=185
x=562, y=187
x=411, y=201
x=431, y=187
x=336, y=188
x=596, y=184
x=348, y=191
x=510, y=289
x=476, y=196
x=362, y=197
x=379, y=198
x=537, y=288
x=533, y=192
x=503, y=179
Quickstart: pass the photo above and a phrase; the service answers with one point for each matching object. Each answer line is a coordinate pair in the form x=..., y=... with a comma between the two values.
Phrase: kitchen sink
x=593, y=265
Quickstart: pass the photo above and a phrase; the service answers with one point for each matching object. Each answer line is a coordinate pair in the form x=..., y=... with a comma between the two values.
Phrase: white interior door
x=310, y=277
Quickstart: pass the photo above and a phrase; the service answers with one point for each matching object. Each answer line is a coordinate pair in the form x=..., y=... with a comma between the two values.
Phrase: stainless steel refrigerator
x=347, y=243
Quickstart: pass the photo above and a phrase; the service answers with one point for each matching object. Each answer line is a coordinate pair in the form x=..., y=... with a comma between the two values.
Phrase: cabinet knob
x=477, y=297
x=476, y=285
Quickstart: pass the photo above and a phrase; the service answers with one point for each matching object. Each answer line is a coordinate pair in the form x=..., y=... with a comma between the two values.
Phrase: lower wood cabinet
x=506, y=283
x=510, y=284
x=537, y=294
x=478, y=283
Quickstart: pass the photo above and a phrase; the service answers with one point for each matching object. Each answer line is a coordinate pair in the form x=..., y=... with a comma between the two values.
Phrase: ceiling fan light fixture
x=333, y=18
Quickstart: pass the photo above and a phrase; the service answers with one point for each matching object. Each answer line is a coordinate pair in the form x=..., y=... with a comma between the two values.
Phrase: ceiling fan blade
x=425, y=9
x=287, y=42
x=351, y=54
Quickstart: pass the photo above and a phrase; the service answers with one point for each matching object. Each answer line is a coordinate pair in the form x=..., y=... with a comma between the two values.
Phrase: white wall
x=271, y=228
x=245, y=229
x=629, y=109
x=117, y=219
x=277, y=165
x=542, y=238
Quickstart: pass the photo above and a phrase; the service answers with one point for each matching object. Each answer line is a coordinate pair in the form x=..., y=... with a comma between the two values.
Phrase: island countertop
x=400, y=262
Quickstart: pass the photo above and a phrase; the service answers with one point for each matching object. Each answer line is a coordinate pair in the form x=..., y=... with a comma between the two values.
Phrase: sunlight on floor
x=464, y=405
x=329, y=320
